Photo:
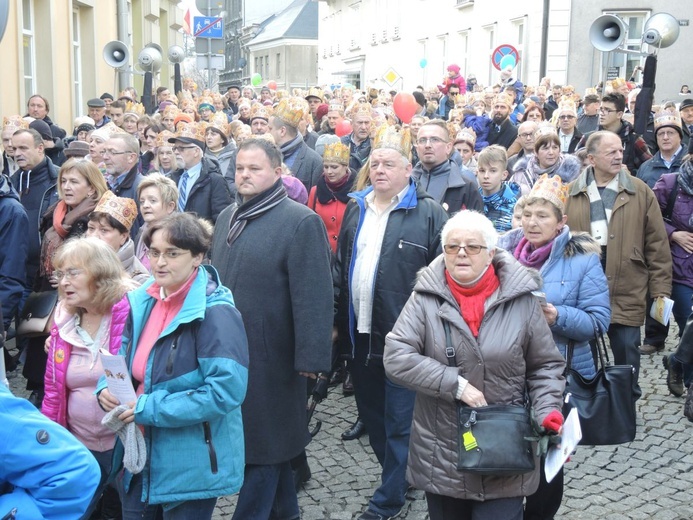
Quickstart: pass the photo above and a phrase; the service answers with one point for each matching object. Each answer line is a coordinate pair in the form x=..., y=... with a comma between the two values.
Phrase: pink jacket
x=55, y=400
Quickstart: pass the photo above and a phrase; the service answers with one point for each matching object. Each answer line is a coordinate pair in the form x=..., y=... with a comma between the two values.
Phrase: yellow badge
x=59, y=355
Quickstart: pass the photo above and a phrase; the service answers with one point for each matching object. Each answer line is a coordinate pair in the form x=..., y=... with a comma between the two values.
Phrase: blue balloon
x=423, y=63
x=507, y=61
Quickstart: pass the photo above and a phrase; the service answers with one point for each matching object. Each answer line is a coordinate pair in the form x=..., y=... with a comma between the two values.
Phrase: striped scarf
x=253, y=208
x=601, y=206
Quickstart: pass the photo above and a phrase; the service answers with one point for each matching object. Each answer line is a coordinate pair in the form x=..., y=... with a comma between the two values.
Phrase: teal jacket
x=195, y=381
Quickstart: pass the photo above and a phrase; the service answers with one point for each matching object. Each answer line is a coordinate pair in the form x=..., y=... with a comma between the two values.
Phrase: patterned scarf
x=601, y=206
x=254, y=208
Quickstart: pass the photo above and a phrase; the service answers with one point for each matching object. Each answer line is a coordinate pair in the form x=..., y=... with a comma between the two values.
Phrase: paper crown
x=667, y=118
x=503, y=99
x=258, y=110
x=291, y=110
x=466, y=135
x=551, y=189
x=187, y=104
x=316, y=92
x=336, y=153
x=240, y=130
x=566, y=106
x=163, y=137
x=124, y=94
x=335, y=106
x=361, y=110
x=618, y=83
x=205, y=103
x=545, y=128
x=393, y=137
x=14, y=122
x=106, y=131
x=123, y=209
x=136, y=108
x=590, y=91
x=192, y=131
x=221, y=123
x=283, y=93
x=170, y=111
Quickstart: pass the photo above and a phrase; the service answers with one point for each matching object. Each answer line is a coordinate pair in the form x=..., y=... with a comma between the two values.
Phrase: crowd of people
x=237, y=247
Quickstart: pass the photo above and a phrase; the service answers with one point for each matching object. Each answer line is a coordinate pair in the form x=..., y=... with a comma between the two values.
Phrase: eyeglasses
x=603, y=110
x=469, y=249
x=113, y=152
x=68, y=274
x=168, y=255
x=526, y=135
x=423, y=141
x=565, y=118
x=179, y=148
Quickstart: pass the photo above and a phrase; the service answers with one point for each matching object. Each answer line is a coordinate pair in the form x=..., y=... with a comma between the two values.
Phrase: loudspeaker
x=150, y=58
x=116, y=54
x=661, y=30
x=608, y=32
x=176, y=54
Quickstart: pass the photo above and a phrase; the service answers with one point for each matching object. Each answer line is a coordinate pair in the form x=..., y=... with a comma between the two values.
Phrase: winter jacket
x=411, y=241
x=44, y=471
x=128, y=189
x=513, y=351
x=503, y=136
x=358, y=153
x=574, y=283
x=481, y=126
x=654, y=168
x=635, y=150
x=132, y=265
x=279, y=271
x=682, y=261
x=332, y=212
x=55, y=400
x=210, y=194
x=460, y=193
x=638, y=259
x=195, y=381
x=223, y=157
x=57, y=153
x=306, y=166
x=527, y=170
x=14, y=235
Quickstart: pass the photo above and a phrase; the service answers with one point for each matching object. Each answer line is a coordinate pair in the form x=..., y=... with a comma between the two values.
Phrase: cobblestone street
x=651, y=477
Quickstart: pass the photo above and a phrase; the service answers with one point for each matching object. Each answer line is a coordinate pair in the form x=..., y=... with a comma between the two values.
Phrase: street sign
x=215, y=61
x=501, y=52
x=208, y=27
x=205, y=45
x=391, y=77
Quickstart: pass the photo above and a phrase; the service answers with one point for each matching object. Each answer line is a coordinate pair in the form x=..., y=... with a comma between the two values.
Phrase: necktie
x=690, y=129
x=183, y=191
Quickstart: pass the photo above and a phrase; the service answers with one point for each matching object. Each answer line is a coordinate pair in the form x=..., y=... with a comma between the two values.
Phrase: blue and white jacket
x=195, y=381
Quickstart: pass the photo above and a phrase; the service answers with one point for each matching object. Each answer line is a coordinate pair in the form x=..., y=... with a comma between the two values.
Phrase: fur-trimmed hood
x=570, y=243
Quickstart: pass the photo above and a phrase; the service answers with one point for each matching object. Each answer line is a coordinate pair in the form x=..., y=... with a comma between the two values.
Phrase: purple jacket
x=682, y=261
x=55, y=400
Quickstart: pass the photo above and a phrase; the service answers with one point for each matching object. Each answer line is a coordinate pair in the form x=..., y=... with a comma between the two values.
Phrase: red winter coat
x=331, y=214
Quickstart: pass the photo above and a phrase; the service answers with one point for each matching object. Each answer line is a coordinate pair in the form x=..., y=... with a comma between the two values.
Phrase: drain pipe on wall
x=544, y=39
x=122, y=17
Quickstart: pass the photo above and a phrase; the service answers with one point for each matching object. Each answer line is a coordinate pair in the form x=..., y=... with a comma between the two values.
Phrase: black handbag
x=494, y=439
x=605, y=403
x=36, y=317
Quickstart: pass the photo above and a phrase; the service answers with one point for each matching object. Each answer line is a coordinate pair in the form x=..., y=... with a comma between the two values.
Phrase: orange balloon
x=405, y=106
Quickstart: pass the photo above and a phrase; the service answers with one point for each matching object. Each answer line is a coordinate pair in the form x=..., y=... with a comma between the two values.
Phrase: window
x=464, y=49
x=77, y=57
x=443, y=43
x=28, y=48
x=490, y=38
x=627, y=62
x=267, y=65
x=519, y=29
x=278, y=68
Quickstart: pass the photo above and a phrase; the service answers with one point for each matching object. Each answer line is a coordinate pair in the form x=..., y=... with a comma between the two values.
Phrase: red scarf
x=472, y=299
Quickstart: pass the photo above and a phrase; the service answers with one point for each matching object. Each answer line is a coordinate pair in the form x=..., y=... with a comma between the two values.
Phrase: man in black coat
x=502, y=131
x=359, y=141
x=202, y=188
x=121, y=156
x=274, y=255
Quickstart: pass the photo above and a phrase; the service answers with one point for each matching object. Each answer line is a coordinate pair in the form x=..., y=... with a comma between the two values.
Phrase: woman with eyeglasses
x=80, y=187
x=187, y=352
x=90, y=316
x=480, y=298
x=576, y=299
x=546, y=159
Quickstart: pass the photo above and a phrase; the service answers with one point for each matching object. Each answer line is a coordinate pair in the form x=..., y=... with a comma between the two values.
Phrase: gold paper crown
x=187, y=104
x=393, y=137
x=123, y=209
x=617, y=83
x=591, y=91
x=335, y=105
x=282, y=93
x=503, y=99
x=261, y=111
x=170, y=111
x=362, y=109
x=566, y=106
x=137, y=108
x=220, y=122
x=316, y=92
x=107, y=130
x=669, y=118
x=467, y=135
x=336, y=153
x=453, y=128
x=124, y=94
x=265, y=137
x=545, y=128
x=163, y=137
x=192, y=131
x=291, y=110
x=551, y=189
x=14, y=122
x=239, y=130
x=205, y=100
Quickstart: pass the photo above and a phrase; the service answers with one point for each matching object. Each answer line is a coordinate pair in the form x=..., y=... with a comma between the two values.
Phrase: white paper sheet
x=119, y=383
x=557, y=455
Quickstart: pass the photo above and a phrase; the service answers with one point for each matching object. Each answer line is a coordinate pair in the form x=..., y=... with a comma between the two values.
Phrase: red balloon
x=405, y=106
x=343, y=128
x=272, y=85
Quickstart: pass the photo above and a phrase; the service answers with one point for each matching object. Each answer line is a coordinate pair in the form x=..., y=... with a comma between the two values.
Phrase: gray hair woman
x=503, y=346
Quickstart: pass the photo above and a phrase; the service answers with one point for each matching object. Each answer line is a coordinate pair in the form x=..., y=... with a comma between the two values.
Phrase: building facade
x=55, y=47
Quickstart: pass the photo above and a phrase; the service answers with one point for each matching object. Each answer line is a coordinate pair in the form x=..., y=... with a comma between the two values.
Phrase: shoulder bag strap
x=449, y=351
x=671, y=201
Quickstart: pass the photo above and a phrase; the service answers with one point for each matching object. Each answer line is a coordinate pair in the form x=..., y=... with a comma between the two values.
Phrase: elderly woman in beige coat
x=502, y=346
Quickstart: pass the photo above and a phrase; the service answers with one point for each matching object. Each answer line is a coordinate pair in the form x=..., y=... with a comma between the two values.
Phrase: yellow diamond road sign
x=391, y=77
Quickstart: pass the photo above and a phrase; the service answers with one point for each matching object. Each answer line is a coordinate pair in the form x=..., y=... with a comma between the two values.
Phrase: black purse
x=36, y=317
x=604, y=403
x=494, y=439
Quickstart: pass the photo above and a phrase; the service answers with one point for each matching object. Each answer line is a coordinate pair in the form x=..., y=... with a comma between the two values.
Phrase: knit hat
x=123, y=209
x=550, y=189
x=206, y=103
x=323, y=141
x=42, y=128
x=321, y=111
x=668, y=118
x=77, y=149
x=454, y=68
x=105, y=96
x=187, y=118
